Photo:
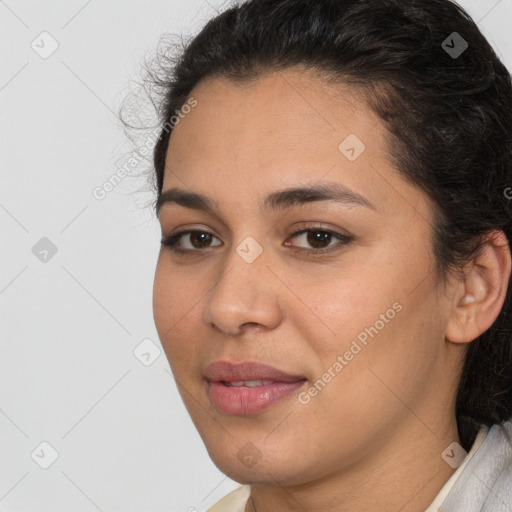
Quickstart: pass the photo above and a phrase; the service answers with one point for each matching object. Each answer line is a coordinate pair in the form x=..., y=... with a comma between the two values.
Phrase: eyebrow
x=329, y=191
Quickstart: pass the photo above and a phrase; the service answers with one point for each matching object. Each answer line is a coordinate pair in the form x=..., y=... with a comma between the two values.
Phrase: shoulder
x=485, y=484
x=235, y=501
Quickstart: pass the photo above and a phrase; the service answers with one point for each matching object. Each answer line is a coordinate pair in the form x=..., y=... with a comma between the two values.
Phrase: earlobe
x=479, y=298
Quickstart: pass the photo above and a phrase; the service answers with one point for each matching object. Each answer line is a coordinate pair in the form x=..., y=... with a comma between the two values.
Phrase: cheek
x=374, y=301
x=388, y=346
x=164, y=301
x=176, y=306
x=343, y=308
x=378, y=330
x=176, y=295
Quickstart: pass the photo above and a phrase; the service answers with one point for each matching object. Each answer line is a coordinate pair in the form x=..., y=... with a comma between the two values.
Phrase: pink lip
x=244, y=400
x=231, y=400
x=229, y=372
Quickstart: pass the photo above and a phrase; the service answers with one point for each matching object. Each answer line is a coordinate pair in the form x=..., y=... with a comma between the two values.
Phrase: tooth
x=252, y=383
x=249, y=383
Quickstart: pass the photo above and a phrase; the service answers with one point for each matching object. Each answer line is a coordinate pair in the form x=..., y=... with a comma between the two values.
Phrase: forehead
x=282, y=128
x=286, y=104
x=274, y=117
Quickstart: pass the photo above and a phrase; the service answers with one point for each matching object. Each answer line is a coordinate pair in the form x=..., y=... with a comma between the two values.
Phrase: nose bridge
x=244, y=292
x=244, y=274
x=246, y=263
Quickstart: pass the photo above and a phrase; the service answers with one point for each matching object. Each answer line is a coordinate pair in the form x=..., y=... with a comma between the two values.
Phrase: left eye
x=320, y=239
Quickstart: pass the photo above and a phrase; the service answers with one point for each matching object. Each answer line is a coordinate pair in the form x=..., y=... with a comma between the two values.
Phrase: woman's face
x=359, y=327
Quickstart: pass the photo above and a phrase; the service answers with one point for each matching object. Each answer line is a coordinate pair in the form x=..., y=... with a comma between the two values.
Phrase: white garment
x=448, y=486
x=235, y=501
x=485, y=484
x=482, y=483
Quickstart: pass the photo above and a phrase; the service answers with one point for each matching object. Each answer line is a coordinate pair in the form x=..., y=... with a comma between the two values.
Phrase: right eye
x=199, y=240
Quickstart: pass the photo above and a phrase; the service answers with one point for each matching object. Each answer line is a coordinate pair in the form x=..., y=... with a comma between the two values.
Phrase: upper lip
x=232, y=372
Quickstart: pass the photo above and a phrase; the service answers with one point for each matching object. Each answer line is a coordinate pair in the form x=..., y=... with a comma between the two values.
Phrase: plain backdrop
x=90, y=417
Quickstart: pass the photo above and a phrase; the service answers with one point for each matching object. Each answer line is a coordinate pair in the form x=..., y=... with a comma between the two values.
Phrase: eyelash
x=172, y=241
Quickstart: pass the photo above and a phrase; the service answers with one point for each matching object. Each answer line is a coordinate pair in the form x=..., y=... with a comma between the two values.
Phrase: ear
x=478, y=299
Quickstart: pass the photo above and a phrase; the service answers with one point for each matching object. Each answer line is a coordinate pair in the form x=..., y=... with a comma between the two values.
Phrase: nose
x=245, y=293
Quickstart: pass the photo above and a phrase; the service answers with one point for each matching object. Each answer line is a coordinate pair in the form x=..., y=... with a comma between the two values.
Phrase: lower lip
x=231, y=400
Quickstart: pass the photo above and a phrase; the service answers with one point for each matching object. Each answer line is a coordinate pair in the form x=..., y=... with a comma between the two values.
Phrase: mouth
x=248, y=388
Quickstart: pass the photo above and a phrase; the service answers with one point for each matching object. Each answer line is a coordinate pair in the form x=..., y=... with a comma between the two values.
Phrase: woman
x=333, y=291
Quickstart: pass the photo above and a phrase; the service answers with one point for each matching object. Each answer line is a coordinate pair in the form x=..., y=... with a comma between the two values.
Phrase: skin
x=372, y=438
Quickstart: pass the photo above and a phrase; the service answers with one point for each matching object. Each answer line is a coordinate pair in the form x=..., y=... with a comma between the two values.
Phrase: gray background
x=71, y=321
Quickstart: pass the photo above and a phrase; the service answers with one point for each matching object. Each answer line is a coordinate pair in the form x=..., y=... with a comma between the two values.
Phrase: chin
x=267, y=469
